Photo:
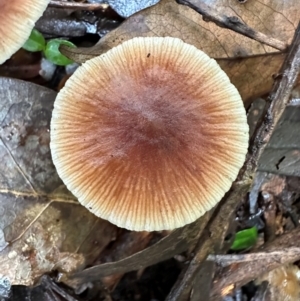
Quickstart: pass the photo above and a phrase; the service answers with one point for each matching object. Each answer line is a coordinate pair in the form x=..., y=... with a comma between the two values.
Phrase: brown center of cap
x=148, y=123
x=150, y=135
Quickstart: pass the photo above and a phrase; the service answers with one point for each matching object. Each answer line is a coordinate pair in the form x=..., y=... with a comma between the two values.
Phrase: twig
x=77, y=5
x=283, y=250
x=228, y=259
x=233, y=23
x=218, y=226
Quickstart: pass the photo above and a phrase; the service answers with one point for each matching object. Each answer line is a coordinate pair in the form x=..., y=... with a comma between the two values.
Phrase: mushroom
x=283, y=282
x=17, y=19
x=149, y=135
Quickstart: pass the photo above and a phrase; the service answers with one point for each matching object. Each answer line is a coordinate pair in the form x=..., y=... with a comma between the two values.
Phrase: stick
x=78, y=6
x=228, y=259
x=283, y=250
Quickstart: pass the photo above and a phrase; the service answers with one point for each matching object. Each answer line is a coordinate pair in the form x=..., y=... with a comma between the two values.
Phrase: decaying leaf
x=42, y=226
x=275, y=18
x=253, y=76
x=126, y=245
x=182, y=22
x=22, y=65
x=176, y=242
x=251, y=73
x=282, y=153
x=178, y=21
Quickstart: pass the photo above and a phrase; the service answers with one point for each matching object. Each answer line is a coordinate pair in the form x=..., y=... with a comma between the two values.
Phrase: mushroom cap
x=17, y=19
x=149, y=135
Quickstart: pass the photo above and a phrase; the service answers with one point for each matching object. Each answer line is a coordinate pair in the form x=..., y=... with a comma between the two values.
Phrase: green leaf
x=35, y=42
x=244, y=239
x=53, y=54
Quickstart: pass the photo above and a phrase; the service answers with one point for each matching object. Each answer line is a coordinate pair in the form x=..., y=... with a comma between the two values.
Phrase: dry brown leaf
x=126, y=245
x=167, y=18
x=42, y=226
x=178, y=241
x=275, y=18
x=251, y=75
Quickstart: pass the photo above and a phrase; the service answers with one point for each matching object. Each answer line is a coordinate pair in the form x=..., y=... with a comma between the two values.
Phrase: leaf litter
x=42, y=227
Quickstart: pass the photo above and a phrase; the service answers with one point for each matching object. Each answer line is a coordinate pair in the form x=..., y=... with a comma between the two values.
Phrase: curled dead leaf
x=251, y=73
x=42, y=226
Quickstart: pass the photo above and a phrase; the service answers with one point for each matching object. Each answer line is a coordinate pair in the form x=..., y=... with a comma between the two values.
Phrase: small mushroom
x=284, y=282
x=149, y=135
x=17, y=19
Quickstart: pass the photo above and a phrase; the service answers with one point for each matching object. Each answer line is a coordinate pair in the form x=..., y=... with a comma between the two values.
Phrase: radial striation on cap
x=17, y=19
x=150, y=135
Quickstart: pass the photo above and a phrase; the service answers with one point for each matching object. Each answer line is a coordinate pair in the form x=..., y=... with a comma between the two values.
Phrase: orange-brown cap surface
x=150, y=135
x=17, y=19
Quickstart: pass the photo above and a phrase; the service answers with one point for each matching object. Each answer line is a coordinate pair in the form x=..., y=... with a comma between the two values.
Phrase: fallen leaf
x=167, y=18
x=178, y=21
x=252, y=74
x=42, y=226
x=282, y=154
x=22, y=65
x=275, y=18
x=176, y=242
x=126, y=245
